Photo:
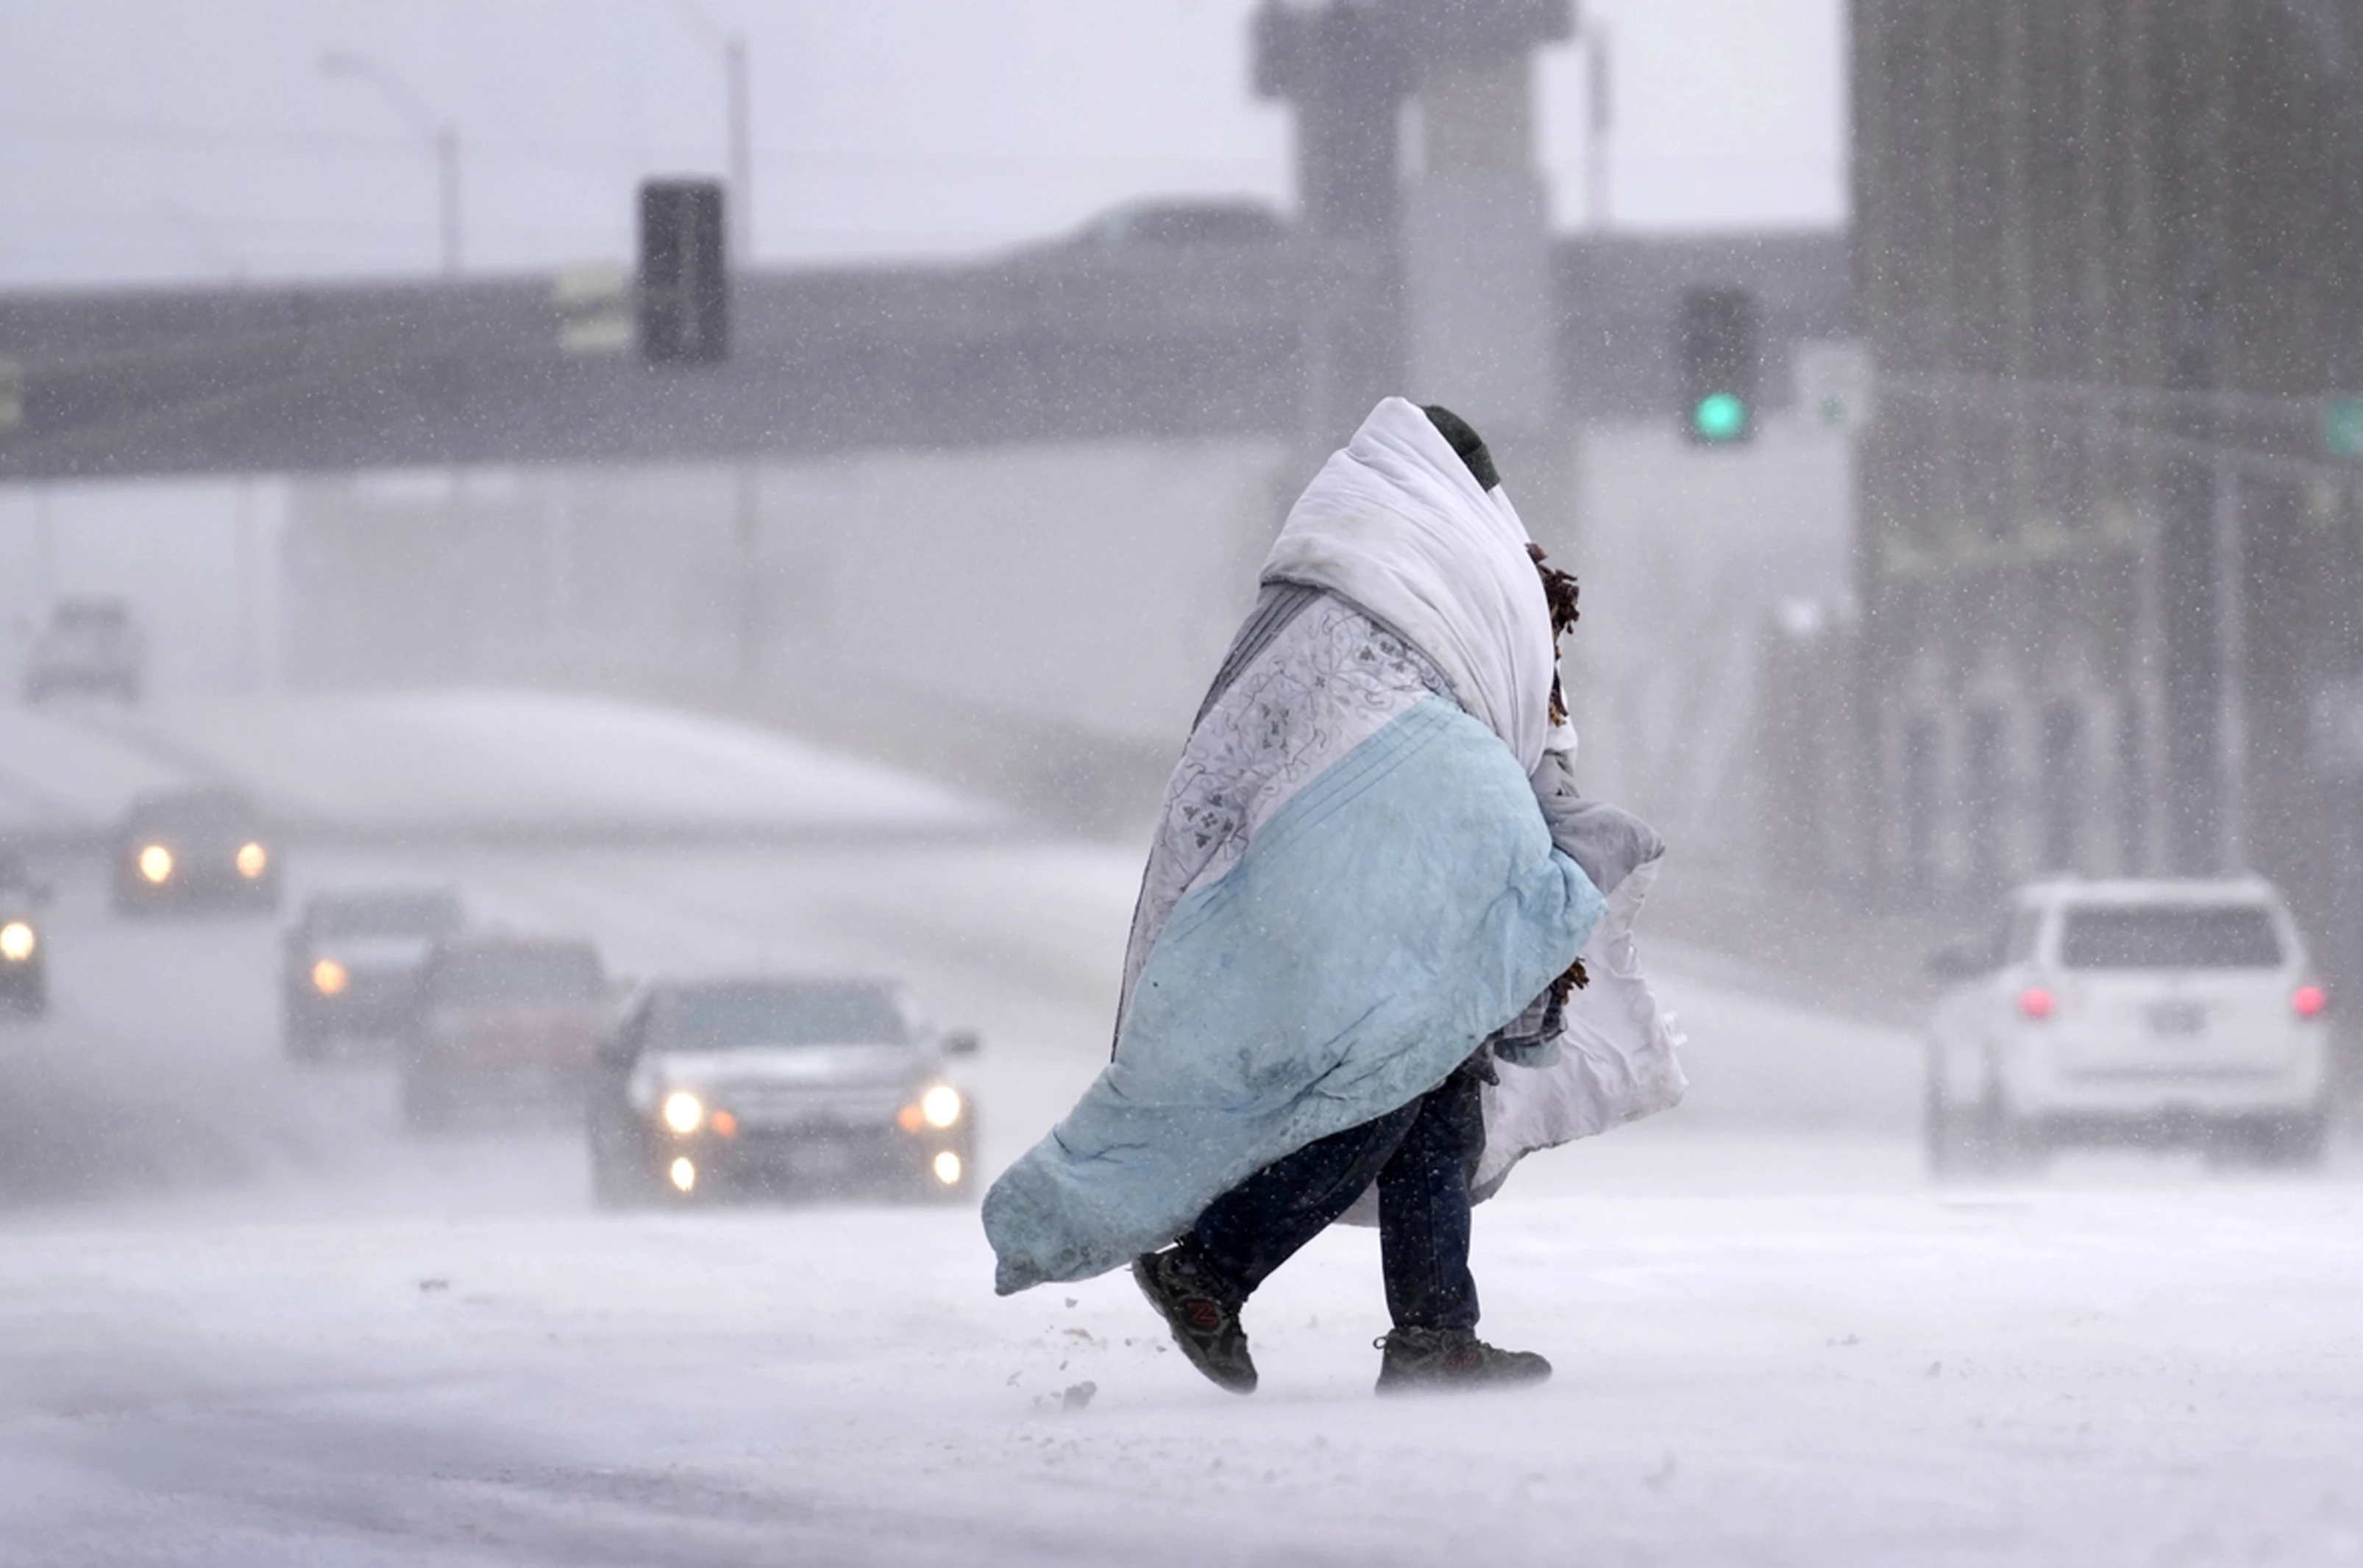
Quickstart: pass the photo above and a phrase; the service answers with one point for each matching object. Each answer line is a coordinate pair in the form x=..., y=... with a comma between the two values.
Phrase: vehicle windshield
x=713, y=1018
x=518, y=977
x=193, y=813
x=1210, y=225
x=86, y=634
x=387, y=914
x=2171, y=937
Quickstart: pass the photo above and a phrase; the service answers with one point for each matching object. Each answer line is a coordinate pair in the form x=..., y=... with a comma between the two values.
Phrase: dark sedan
x=350, y=964
x=23, y=967
x=766, y=1084
x=506, y=1028
x=192, y=849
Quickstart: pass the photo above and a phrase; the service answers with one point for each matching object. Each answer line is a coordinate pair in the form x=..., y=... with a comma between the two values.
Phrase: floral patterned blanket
x=1355, y=881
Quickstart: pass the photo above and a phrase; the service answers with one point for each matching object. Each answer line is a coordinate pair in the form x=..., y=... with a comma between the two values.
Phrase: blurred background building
x=2107, y=553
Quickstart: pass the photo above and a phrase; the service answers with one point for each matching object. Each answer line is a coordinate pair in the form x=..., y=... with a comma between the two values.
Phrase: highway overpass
x=1047, y=344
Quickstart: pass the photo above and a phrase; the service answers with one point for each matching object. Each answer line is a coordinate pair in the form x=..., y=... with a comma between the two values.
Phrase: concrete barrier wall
x=1094, y=584
x=1061, y=597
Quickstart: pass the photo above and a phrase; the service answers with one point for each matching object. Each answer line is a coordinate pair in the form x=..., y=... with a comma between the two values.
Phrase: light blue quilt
x=1393, y=912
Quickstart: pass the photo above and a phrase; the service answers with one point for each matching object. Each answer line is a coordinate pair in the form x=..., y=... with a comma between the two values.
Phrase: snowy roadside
x=489, y=765
x=2070, y=1378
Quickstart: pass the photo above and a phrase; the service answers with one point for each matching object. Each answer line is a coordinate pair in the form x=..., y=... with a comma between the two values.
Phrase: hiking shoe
x=1200, y=1311
x=1421, y=1359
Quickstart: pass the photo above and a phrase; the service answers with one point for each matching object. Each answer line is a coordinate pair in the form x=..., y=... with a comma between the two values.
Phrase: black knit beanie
x=1465, y=441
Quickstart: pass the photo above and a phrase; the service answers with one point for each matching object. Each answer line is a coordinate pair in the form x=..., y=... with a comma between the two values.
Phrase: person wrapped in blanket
x=1383, y=945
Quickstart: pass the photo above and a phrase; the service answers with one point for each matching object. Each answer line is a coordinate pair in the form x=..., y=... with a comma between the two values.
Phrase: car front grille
x=766, y=1107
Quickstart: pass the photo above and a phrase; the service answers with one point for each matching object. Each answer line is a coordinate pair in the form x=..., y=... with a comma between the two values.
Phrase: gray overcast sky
x=145, y=139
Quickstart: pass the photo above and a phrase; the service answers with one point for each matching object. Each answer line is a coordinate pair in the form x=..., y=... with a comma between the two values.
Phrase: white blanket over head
x=1358, y=879
x=1396, y=523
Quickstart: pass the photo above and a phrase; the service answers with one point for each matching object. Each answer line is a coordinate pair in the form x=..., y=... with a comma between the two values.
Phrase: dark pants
x=1422, y=1156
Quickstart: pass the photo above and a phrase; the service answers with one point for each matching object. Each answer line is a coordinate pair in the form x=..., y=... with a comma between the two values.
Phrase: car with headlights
x=349, y=965
x=24, y=964
x=90, y=646
x=780, y=1086
x=507, y=1028
x=2144, y=1012
x=204, y=847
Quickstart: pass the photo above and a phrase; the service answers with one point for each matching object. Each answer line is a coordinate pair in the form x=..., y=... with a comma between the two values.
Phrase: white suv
x=2168, y=1011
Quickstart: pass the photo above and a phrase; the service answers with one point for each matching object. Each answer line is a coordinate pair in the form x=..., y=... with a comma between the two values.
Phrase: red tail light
x=2308, y=1001
x=2034, y=1002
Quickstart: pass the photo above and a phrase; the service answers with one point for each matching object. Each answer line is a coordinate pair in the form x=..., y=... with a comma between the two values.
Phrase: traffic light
x=1718, y=355
x=685, y=304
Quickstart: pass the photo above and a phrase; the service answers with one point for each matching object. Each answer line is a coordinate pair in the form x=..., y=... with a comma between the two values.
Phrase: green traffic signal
x=1719, y=418
x=2342, y=425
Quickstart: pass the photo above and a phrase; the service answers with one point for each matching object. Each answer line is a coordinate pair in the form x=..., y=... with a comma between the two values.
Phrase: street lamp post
x=442, y=137
x=447, y=181
x=1598, y=77
x=738, y=237
x=739, y=222
x=742, y=155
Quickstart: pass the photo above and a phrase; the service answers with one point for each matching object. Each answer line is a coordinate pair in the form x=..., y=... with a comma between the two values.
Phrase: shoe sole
x=1407, y=1387
x=1182, y=1341
x=1417, y=1382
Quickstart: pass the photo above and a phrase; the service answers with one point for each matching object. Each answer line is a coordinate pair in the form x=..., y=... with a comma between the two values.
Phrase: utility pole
x=45, y=549
x=248, y=616
x=1599, y=119
x=738, y=225
x=447, y=181
x=747, y=528
x=2191, y=593
x=737, y=124
x=2194, y=495
x=742, y=150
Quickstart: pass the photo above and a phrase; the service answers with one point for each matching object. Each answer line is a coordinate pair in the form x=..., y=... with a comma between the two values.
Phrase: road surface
x=245, y=1320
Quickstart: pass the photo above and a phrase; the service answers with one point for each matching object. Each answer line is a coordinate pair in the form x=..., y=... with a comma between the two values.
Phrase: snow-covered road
x=244, y=1321
x=325, y=1344
x=2075, y=1378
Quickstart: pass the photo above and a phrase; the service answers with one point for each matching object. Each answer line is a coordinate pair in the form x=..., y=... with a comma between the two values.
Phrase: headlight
x=251, y=859
x=17, y=942
x=155, y=862
x=940, y=1104
x=327, y=977
x=948, y=1168
x=684, y=1173
x=682, y=1112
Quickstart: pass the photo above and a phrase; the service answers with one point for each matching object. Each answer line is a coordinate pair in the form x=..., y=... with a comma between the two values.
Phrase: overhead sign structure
x=594, y=309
